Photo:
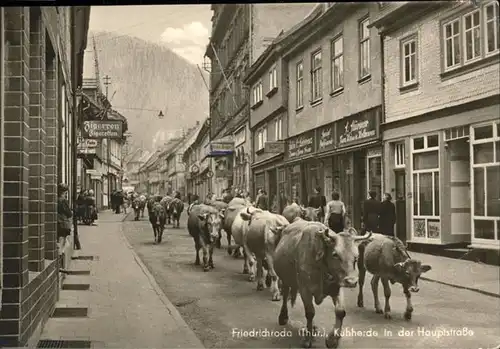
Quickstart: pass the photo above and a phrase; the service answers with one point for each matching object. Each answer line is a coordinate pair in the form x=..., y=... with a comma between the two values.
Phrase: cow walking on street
x=175, y=208
x=260, y=235
x=157, y=217
x=388, y=260
x=138, y=205
x=203, y=225
x=166, y=205
x=221, y=206
x=315, y=262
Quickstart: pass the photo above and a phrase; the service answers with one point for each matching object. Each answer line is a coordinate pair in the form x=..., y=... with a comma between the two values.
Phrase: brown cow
x=261, y=231
x=293, y=211
x=221, y=206
x=387, y=259
x=312, y=260
x=203, y=225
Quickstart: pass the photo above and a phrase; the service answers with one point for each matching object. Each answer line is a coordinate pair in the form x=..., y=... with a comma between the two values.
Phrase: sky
x=184, y=29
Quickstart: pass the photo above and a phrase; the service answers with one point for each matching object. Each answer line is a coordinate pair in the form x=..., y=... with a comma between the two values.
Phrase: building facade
x=198, y=175
x=334, y=107
x=239, y=35
x=41, y=53
x=442, y=130
x=132, y=164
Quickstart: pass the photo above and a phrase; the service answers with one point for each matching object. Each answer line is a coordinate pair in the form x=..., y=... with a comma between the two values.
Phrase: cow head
x=210, y=224
x=409, y=271
x=309, y=213
x=340, y=254
x=158, y=212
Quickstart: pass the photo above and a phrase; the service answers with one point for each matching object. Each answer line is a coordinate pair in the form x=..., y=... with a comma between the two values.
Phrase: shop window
x=399, y=155
x=456, y=133
x=485, y=143
x=418, y=143
x=374, y=177
x=483, y=132
x=425, y=178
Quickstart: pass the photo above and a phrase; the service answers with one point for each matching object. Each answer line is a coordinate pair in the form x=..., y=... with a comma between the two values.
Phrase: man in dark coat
x=263, y=201
x=318, y=201
x=371, y=213
x=283, y=201
x=387, y=216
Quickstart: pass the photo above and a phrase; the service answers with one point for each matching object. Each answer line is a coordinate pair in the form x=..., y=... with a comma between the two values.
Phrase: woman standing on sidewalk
x=64, y=215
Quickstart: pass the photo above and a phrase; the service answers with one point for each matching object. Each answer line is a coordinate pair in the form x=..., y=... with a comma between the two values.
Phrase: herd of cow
x=301, y=255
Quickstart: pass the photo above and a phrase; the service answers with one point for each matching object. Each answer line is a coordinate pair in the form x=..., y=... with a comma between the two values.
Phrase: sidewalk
x=126, y=307
x=478, y=277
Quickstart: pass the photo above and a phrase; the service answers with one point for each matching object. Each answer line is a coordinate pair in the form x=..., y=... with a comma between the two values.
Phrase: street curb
x=486, y=293
x=174, y=313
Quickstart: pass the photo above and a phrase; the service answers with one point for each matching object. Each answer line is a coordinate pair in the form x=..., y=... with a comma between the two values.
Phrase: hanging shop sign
x=302, y=145
x=87, y=147
x=274, y=147
x=99, y=129
x=221, y=148
x=326, y=138
x=359, y=128
x=195, y=169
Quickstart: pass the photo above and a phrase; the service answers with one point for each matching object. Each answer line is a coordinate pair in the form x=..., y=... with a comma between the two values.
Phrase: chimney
x=198, y=123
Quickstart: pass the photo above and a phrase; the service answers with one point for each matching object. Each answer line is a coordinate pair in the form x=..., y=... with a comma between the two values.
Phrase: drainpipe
x=74, y=56
x=2, y=88
x=250, y=184
x=382, y=74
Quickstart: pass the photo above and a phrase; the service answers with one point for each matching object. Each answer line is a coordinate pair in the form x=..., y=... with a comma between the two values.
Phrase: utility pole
x=107, y=82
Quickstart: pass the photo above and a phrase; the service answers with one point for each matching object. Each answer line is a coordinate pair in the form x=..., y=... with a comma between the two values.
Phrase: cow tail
x=293, y=295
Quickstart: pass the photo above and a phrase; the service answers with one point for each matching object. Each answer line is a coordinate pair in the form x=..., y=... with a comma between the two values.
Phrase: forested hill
x=146, y=78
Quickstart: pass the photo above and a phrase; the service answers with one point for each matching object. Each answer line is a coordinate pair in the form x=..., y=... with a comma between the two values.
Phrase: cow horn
x=363, y=237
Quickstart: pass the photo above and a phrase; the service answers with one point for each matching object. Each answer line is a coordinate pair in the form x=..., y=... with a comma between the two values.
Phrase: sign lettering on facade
x=274, y=147
x=221, y=148
x=301, y=145
x=86, y=146
x=99, y=129
x=326, y=138
x=359, y=128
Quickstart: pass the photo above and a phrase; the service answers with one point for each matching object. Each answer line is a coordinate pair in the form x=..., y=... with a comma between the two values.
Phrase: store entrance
x=400, y=177
x=360, y=192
